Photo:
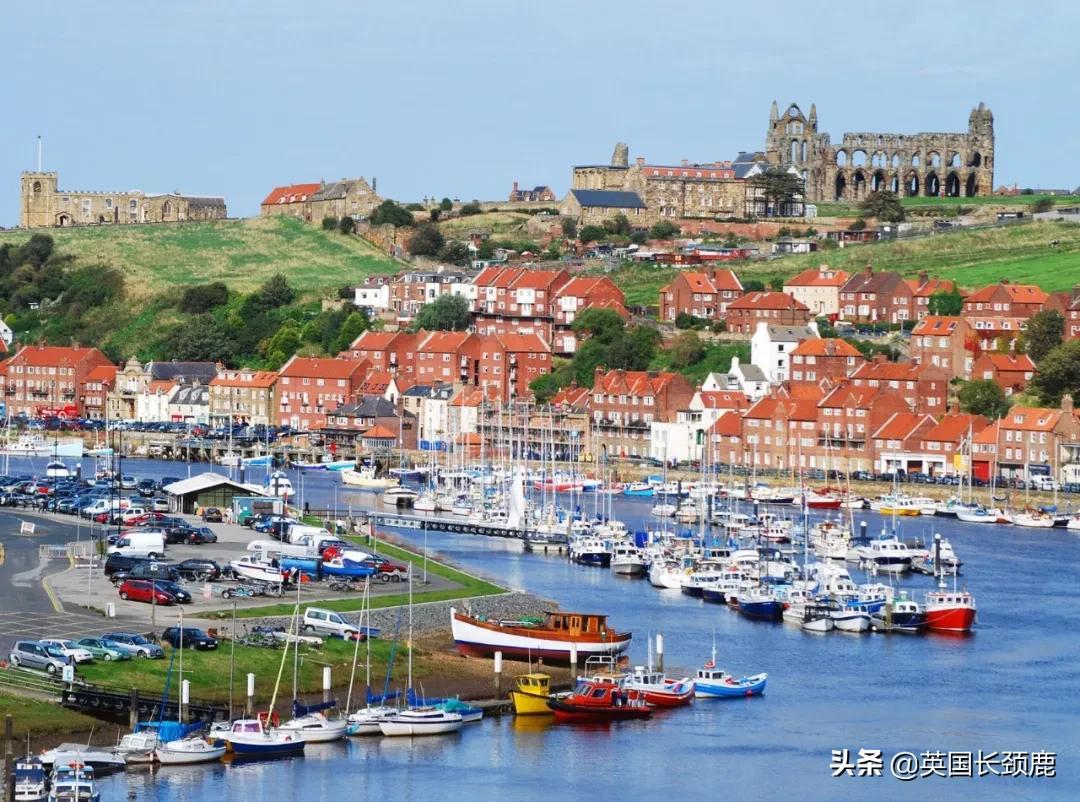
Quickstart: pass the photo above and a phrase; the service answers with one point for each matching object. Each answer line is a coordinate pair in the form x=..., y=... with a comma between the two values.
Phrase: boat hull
x=184, y=757
x=411, y=729
x=479, y=641
x=950, y=619
x=762, y=610
x=593, y=558
x=581, y=714
x=714, y=596
x=747, y=686
x=529, y=704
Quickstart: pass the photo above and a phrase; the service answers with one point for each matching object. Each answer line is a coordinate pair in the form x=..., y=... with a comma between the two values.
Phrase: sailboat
x=366, y=720
x=421, y=719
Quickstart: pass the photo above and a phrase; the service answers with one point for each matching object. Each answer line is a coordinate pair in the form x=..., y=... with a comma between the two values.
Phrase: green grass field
x=492, y=222
x=242, y=253
x=838, y=209
x=42, y=718
x=717, y=359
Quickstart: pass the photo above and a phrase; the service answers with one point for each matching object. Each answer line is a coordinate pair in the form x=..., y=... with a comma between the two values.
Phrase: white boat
x=315, y=728
x=1033, y=519
x=849, y=619
x=32, y=445
x=663, y=510
x=626, y=559
x=817, y=618
x=688, y=512
x=982, y=515
x=889, y=555
x=73, y=782
x=138, y=747
x=248, y=738
x=425, y=502
x=278, y=484
x=229, y=460
x=57, y=470
x=421, y=721
x=30, y=780
x=666, y=574
x=187, y=751
x=398, y=496
x=249, y=567
x=366, y=721
x=366, y=479
x=100, y=759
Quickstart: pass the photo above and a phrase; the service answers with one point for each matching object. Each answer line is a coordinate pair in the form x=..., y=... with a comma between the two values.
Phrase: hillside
x=241, y=253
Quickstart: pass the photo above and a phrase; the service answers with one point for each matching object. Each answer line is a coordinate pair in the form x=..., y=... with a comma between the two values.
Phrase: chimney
x=685, y=162
x=923, y=277
x=515, y=186
x=640, y=161
x=1066, y=403
x=868, y=270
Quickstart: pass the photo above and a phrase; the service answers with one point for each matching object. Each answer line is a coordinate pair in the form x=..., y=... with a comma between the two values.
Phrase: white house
x=375, y=297
x=682, y=440
x=434, y=417
x=771, y=347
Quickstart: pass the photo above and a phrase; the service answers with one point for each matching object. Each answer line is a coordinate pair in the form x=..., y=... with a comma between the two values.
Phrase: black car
x=200, y=535
x=188, y=638
x=199, y=569
x=120, y=563
x=181, y=595
x=146, y=487
x=146, y=569
x=181, y=533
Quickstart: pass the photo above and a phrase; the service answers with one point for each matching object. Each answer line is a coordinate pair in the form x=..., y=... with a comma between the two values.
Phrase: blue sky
x=233, y=97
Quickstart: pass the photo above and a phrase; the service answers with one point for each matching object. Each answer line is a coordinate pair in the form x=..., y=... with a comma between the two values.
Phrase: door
x=575, y=624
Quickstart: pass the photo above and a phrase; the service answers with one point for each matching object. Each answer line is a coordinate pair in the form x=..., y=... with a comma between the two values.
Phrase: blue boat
x=713, y=595
x=343, y=566
x=639, y=490
x=761, y=606
x=715, y=683
x=248, y=738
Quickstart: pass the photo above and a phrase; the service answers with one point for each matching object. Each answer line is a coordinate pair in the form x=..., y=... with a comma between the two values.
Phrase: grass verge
x=42, y=718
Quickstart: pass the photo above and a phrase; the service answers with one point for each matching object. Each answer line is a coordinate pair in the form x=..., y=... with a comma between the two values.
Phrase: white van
x=328, y=622
x=105, y=505
x=138, y=543
x=298, y=531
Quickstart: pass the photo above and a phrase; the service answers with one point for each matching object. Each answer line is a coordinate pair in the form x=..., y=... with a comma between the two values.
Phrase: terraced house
x=624, y=405
x=49, y=380
x=308, y=388
x=517, y=300
x=242, y=396
x=773, y=308
x=702, y=294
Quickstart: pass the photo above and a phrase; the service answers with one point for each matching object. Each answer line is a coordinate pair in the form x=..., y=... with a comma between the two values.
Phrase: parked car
x=146, y=487
x=212, y=515
x=387, y=571
x=147, y=569
x=179, y=533
x=103, y=651
x=200, y=535
x=181, y=595
x=189, y=638
x=329, y=623
x=199, y=569
x=133, y=643
x=121, y=562
x=67, y=650
x=144, y=590
x=159, y=504
x=128, y=482
x=31, y=654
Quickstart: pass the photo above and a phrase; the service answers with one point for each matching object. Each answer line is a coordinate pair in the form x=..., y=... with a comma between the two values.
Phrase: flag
x=711, y=664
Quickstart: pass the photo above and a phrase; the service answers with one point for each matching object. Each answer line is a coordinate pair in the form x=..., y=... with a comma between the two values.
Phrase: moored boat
x=187, y=751
x=598, y=700
x=312, y=725
x=30, y=780
x=658, y=690
x=553, y=639
x=902, y=615
x=715, y=683
x=249, y=738
x=950, y=611
x=421, y=721
x=530, y=694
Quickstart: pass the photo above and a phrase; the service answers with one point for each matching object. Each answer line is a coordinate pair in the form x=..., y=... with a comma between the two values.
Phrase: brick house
x=897, y=444
x=509, y=363
x=725, y=440
x=819, y=289
x=392, y=351
x=945, y=342
x=847, y=417
x=573, y=298
x=517, y=300
x=1011, y=372
x=923, y=287
x=869, y=297
x=1029, y=442
x=410, y=292
x=50, y=380
x=625, y=403
x=777, y=430
x=242, y=396
x=699, y=293
x=946, y=443
x=347, y=423
x=1007, y=300
x=774, y=308
x=823, y=358
x=308, y=388
x=923, y=388
x=449, y=357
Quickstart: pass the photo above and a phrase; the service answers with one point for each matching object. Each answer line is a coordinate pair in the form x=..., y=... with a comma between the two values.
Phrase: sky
x=460, y=99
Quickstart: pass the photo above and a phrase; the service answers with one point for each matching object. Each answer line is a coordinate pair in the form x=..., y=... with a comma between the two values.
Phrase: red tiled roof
x=714, y=282
x=953, y=428
x=1031, y=419
x=826, y=346
x=937, y=325
x=767, y=300
x=729, y=424
x=901, y=425
x=818, y=277
x=1008, y=362
x=379, y=433
x=571, y=397
x=244, y=378
x=1018, y=293
x=374, y=340
x=632, y=382
x=442, y=342
x=294, y=193
x=608, y=303
x=783, y=409
x=522, y=343
x=932, y=285
x=538, y=279
x=102, y=373
x=883, y=370
x=320, y=368
x=161, y=386
x=722, y=399
x=54, y=355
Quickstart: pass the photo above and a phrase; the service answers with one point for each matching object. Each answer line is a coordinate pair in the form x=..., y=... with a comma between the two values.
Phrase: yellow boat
x=530, y=694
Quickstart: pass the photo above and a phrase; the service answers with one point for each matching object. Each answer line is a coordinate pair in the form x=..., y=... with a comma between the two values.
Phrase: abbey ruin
x=925, y=164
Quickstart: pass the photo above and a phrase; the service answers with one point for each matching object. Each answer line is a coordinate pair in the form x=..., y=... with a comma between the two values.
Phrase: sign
x=68, y=674
x=26, y=528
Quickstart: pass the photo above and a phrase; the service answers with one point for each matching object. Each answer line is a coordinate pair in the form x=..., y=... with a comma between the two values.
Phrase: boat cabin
x=247, y=725
x=537, y=684
x=576, y=623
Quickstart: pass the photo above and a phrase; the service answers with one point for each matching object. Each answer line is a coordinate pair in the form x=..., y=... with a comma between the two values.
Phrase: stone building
x=349, y=197
x=43, y=205
x=956, y=165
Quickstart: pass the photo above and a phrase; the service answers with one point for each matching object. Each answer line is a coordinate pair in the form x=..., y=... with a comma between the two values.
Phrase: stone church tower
x=37, y=200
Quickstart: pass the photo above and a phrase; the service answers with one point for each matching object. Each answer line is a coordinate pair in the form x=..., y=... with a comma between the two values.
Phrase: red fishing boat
x=598, y=700
x=655, y=689
x=823, y=499
x=950, y=611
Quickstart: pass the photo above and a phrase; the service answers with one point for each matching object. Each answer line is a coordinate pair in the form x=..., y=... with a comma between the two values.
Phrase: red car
x=143, y=590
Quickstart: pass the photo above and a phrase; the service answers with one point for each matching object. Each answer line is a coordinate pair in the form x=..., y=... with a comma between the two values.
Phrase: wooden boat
x=530, y=694
x=551, y=639
x=598, y=700
x=187, y=751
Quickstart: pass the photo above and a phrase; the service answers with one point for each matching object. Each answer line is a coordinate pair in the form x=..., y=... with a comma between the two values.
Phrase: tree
x=435, y=214
x=753, y=285
x=569, y=227
x=639, y=237
x=1059, y=373
x=446, y=205
x=776, y=283
x=983, y=397
x=687, y=350
x=1042, y=205
x=445, y=313
x=471, y=208
x=603, y=325
x=329, y=223
x=36, y=250
x=636, y=350
x=202, y=338
x=352, y=327
x=664, y=229
x=858, y=225
x=204, y=297
x=454, y=253
x=389, y=213
x=284, y=344
x=544, y=387
x=947, y=303
x=883, y=205
x=779, y=187
x=684, y=320
x=276, y=292
x=619, y=224
x=426, y=241
x=1045, y=331
x=592, y=234
x=346, y=225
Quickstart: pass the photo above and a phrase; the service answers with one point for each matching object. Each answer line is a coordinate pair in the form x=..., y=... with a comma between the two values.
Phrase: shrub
x=347, y=225
x=329, y=223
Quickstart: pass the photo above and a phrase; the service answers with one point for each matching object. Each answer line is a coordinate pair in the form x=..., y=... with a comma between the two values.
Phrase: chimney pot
x=640, y=161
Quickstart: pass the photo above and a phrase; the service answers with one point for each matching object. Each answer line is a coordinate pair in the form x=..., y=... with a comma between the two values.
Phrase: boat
x=639, y=490
x=343, y=565
x=897, y=505
x=889, y=555
x=950, y=610
x=251, y=568
x=470, y=714
x=656, y=689
x=850, y=618
x=1033, y=519
x=187, y=751
x=903, y=616
x=365, y=478
x=407, y=474
x=626, y=559
x=102, y=760
x=822, y=501
x=590, y=551
x=816, y=618
x=399, y=496
x=30, y=780
x=278, y=484
x=247, y=737
x=759, y=604
x=366, y=720
x=664, y=510
x=261, y=461
x=554, y=639
x=421, y=721
x=32, y=445
x=73, y=782
x=57, y=470
x=598, y=700
x=715, y=683
x=530, y=694
x=424, y=502
x=311, y=724
x=139, y=746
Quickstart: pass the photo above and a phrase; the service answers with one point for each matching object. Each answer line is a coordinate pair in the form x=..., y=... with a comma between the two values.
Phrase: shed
x=207, y=490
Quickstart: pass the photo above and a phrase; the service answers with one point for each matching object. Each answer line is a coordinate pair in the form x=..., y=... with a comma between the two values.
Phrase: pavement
x=58, y=597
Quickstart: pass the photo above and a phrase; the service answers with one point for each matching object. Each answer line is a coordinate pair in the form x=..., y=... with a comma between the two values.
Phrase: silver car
x=31, y=654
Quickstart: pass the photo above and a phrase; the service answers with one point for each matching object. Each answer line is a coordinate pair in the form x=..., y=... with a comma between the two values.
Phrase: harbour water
x=1011, y=686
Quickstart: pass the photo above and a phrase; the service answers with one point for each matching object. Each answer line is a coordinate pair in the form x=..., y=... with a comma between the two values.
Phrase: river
x=1011, y=686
